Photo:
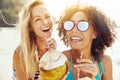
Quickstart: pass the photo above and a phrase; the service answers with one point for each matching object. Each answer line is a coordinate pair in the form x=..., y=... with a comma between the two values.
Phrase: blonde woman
x=36, y=25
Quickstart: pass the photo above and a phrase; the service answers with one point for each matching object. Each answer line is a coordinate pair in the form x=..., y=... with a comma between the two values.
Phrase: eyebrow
x=39, y=16
x=84, y=20
x=36, y=16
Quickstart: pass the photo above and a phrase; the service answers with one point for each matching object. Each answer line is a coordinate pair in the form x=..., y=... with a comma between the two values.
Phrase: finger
x=90, y=70
x=51, y=43
x=81, y=65
x=87, y=67
x=48, y=39
x=89, y=73
x=84, y=61
x=51, y=47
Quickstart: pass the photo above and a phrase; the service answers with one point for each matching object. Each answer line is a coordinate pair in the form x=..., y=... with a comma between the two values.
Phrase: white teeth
x=76, y=39
x=45, y=28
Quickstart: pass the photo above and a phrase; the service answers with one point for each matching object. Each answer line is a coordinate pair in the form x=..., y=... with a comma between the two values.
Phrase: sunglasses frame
x=77, y=24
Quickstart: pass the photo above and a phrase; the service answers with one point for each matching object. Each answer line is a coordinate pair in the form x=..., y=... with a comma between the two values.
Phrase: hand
x=51, y=43
x=86, y=66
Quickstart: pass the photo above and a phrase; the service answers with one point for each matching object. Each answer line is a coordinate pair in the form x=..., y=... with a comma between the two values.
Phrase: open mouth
x=75, y=39
x=46, y=29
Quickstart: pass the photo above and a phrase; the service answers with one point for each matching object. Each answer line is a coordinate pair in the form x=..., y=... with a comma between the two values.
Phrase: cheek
x=37, y=30
x=43, y=34
x=35, y=26
x=89, y=36
x=50, y=22
x=46, y=35
x=38, y=24
x=68, y=35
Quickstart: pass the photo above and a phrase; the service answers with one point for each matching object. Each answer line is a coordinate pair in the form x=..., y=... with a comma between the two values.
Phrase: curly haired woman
x=88, y=31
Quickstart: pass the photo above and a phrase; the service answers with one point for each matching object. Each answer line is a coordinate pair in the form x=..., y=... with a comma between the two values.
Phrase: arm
x=107, y=64
x=18, y=65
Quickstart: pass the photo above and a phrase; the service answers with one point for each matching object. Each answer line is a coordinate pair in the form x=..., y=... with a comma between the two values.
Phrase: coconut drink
x=53, y=65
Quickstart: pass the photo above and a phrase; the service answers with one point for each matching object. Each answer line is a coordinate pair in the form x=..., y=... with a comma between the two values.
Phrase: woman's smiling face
x=80, y=39
x=41, y=22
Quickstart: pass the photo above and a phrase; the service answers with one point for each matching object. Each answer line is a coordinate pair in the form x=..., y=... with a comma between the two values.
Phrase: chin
x=75, y=47
x=47, y=35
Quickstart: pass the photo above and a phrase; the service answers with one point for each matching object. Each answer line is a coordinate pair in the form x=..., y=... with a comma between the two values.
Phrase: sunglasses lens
x=83, y=25
x=68, y=25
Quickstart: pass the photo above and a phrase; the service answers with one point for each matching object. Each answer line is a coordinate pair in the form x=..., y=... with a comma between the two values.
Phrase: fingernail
x=77, y=60
x=45, y=38
x=75, y=66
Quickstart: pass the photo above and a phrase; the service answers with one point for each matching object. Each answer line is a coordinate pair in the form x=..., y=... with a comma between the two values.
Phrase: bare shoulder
x=107, y=65
x=67, y=52
x=17, y=53
x=18, y=63
x=17, y=50
x=106, y=60
x=16, y=56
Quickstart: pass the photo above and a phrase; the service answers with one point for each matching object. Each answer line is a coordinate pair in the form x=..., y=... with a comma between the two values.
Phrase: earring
x=95, y=36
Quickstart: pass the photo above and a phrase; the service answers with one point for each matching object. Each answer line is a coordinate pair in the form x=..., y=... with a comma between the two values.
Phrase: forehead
x=39, y=10
x=79, y=16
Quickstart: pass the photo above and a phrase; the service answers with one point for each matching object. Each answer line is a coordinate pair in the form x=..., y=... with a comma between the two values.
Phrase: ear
x=95, y=35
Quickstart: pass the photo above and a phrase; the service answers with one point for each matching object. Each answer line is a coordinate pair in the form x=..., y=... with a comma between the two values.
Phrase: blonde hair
x=28, y=44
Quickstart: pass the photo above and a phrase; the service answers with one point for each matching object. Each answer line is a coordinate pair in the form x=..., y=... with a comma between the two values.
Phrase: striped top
x=37, y=73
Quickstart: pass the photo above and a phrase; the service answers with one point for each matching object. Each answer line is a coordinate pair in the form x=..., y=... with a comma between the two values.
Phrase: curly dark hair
x=101, y=24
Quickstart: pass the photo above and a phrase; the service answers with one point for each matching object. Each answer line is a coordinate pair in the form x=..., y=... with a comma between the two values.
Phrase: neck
x=41, y=46
x=77, y=54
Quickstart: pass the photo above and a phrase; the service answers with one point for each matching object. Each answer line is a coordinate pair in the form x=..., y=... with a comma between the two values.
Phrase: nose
x=75, y=28
x=45, y=21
